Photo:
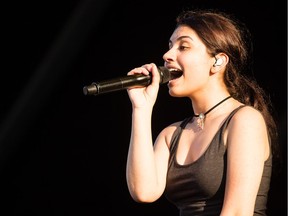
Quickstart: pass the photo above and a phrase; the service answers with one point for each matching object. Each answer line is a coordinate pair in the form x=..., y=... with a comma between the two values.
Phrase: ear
x=220, y=61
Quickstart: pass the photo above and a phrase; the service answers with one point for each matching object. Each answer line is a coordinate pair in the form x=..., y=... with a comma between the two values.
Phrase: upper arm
x=247, y=150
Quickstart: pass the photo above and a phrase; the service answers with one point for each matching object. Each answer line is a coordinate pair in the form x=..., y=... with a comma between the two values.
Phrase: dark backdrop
x=64, y=153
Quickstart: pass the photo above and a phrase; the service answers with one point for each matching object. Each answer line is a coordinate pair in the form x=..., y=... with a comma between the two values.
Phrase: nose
x=168, y=56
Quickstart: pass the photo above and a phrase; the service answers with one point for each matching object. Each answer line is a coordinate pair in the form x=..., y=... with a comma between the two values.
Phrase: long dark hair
x=221, y=32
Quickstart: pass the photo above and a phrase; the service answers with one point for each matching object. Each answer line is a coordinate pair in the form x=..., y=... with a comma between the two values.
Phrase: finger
x=139, y=70
x=155, y=74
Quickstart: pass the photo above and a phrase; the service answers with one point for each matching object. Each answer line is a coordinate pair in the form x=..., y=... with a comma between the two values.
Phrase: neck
x=201, y=116
x=200, y=106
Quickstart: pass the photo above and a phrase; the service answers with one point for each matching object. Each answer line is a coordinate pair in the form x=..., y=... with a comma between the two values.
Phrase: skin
x=246, y=135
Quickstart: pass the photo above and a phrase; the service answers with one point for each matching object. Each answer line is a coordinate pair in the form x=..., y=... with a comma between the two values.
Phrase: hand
x=145, y=96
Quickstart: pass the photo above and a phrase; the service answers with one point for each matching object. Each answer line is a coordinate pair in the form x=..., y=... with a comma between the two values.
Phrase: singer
x=218, y=161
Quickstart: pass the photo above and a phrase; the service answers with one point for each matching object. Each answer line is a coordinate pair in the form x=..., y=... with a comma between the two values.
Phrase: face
x=187, y=53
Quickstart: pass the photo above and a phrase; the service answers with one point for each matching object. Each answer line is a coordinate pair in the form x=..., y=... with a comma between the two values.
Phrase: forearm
x=141, y=168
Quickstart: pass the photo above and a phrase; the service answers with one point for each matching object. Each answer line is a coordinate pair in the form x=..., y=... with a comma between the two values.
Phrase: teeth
x=173, y=69
x=175, y=73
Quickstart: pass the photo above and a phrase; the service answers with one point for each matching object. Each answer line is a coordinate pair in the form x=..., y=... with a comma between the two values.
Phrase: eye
x=183, y=47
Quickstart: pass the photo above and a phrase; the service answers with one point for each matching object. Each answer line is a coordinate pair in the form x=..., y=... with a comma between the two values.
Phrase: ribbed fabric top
x=198, y=188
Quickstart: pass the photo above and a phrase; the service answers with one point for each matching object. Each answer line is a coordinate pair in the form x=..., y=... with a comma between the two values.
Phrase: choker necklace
x=201, y=116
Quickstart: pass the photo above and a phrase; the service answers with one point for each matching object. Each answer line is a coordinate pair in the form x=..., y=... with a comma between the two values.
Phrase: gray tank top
x=197, y=189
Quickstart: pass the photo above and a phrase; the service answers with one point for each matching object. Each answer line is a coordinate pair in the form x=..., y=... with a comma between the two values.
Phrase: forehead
x=183, y=31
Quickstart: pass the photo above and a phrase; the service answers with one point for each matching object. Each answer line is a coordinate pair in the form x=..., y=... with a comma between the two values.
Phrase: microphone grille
x=164, y=74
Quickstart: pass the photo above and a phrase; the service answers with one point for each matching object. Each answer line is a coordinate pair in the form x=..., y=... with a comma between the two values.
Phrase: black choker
x=201, y=116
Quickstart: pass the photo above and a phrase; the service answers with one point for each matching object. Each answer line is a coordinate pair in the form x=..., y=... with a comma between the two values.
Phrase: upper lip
x=170, y=67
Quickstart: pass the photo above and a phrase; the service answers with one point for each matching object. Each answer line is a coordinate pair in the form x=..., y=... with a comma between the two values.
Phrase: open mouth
x=175, y=73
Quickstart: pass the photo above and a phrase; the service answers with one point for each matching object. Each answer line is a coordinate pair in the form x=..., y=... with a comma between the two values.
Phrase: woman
x=219, y=160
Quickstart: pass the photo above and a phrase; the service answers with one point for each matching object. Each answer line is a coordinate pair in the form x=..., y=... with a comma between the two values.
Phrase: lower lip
x=173, y=82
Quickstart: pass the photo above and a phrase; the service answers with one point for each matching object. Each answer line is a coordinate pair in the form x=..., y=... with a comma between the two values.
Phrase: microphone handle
x=136, y=80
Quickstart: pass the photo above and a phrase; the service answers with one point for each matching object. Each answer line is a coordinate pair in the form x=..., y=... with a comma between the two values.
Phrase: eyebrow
x=181, y=37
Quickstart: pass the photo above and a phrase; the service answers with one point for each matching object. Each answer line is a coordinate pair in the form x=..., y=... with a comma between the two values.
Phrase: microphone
x=136, y=80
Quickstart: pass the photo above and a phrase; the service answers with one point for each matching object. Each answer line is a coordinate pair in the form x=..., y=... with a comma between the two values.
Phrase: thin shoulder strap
x=175, y=138
x=178, y=132
x=185, y=122
x=230, y=116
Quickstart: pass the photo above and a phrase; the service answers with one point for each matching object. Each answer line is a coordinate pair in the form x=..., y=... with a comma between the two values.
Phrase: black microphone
x=136, y=80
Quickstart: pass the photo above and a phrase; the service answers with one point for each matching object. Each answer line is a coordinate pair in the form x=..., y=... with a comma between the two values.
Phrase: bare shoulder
x=248, y=115
x=247, y=130
x=171, y=128
x=167, y=133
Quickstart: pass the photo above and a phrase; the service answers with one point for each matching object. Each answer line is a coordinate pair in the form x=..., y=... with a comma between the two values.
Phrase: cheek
x=195, y=58
x=197, y=65
x=197, y=74
x=199, y=60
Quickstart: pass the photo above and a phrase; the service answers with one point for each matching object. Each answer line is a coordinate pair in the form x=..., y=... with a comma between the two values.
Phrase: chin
x=174, y=94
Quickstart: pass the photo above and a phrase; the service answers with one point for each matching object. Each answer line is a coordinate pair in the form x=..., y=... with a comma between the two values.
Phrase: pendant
x=200, y=121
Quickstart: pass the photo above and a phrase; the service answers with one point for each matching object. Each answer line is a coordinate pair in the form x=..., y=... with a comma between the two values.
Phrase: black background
x=64, y=153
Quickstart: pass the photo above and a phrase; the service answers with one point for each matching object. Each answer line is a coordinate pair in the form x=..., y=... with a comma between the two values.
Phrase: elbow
x=140, y=199
x=143, y=196
x=144, y=191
